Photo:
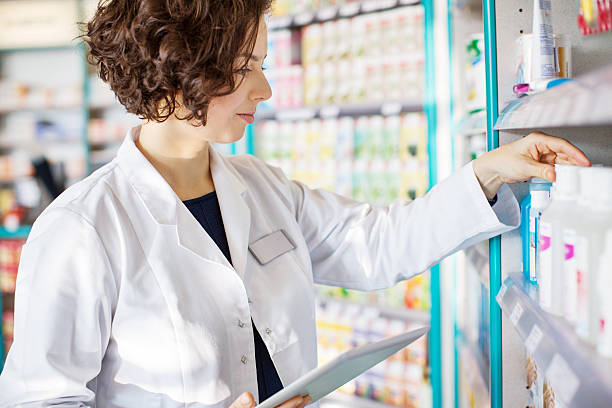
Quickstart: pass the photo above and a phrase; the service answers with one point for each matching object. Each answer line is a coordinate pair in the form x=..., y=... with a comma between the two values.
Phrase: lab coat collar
x=166, y=208
x=231, y=192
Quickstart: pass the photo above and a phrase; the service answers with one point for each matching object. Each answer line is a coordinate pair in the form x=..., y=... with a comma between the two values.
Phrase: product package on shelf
x=7, y=328
x=18, y=95
x=10, y=252
x=291, y=7
x=375, y=57
x=400, y=380
x=595, y=16
x=108, y=122
x=371, y=158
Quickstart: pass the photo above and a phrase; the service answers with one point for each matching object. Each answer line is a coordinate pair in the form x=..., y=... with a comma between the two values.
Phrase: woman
x=174, y=276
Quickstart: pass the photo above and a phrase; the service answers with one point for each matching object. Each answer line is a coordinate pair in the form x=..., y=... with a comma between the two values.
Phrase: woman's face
x=228, y=115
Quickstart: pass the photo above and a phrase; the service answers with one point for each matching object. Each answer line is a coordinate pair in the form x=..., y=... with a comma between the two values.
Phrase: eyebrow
x=254, y=57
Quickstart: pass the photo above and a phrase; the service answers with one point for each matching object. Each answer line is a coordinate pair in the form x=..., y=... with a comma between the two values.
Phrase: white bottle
x=552, y=251
x=539, y=201
x=604, y=342
x=596, y=204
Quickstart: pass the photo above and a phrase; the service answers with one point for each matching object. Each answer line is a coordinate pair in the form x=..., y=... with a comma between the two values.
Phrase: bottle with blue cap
x=531, y=211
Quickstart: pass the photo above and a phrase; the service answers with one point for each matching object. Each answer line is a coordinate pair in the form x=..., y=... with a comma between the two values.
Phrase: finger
x=564, y=150
x=245, y=400
x=543, y=170
x=295, y=402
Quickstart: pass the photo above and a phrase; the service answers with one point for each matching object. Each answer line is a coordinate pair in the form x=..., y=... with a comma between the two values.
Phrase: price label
x=516, y=314
x=296, y=114
x=534, y=339
x=389, y=109
x=330, y=112
x=502, y=291
x=563, y=379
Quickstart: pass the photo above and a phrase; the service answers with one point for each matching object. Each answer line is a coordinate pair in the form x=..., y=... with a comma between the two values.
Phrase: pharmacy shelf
x=579, y=376
x=335, y=12
x=334, y=111
x=73, y=46
x=21, y=232
x=38, y=108
x=583, y=102
x=339, y=399
x=413, y=315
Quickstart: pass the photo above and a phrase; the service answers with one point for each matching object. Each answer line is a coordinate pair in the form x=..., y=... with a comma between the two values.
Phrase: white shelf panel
x=583, y=102
x=579, y=376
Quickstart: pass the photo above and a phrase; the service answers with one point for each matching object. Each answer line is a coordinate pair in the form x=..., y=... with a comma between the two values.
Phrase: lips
x=247, y=117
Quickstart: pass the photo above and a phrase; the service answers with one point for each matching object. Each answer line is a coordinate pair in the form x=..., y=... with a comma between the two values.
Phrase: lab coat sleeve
x=63, y=308
x=360, y=246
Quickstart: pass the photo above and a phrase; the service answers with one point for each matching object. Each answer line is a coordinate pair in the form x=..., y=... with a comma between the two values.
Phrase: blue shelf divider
x=435, y=332
x=495, y=330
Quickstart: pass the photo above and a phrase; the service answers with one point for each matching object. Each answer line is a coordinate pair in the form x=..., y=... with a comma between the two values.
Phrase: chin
x=229, y=139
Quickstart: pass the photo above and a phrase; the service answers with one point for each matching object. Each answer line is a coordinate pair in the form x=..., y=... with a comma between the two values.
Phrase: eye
x=243, y=71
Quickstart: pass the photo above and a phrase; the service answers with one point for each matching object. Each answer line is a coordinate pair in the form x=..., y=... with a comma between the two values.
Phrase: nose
x=261, y=90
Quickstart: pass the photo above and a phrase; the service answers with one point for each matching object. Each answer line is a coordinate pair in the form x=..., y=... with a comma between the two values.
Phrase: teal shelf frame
x=435, y=331
x=20, y=233
x=495, y=313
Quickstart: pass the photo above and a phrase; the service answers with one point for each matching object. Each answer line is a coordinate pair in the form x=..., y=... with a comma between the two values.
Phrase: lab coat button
x=268, y=331
x=243, y=359
x=240, y=323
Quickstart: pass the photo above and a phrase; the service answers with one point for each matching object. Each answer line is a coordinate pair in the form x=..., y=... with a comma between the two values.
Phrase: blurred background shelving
x=373, y=99
x=324, y=126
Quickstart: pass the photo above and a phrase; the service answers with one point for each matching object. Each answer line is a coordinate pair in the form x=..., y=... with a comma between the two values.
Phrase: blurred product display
x=367, y=102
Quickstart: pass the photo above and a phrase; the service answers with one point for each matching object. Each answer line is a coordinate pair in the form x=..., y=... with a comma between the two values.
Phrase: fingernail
x=244, y=399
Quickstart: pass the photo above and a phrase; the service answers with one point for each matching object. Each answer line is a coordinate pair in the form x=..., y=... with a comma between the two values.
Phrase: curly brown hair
x=150, y=51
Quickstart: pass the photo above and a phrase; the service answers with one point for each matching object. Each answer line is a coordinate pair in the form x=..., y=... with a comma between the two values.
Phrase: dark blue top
x=208, y=213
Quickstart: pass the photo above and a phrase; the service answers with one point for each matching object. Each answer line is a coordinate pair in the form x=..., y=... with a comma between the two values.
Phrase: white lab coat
x=123, y=300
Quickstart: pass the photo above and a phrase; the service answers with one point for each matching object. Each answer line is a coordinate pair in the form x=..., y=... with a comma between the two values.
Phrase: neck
x=180, y=153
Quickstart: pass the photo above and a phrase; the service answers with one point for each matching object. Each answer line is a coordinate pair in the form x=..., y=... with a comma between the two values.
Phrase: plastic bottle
x=538, y=195
x=604, y=342
x=552, y=251
x=596, y=205
x=543, y=63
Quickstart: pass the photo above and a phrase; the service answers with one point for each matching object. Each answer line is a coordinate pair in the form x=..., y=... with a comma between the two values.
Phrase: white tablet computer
x=348, y=365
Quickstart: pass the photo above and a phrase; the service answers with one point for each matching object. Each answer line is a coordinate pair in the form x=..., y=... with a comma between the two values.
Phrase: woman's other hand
x=532, y=156
x=246, y=400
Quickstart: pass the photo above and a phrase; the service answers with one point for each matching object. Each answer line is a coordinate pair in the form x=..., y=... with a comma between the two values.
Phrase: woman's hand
x=246, y=400
x=532, y=156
